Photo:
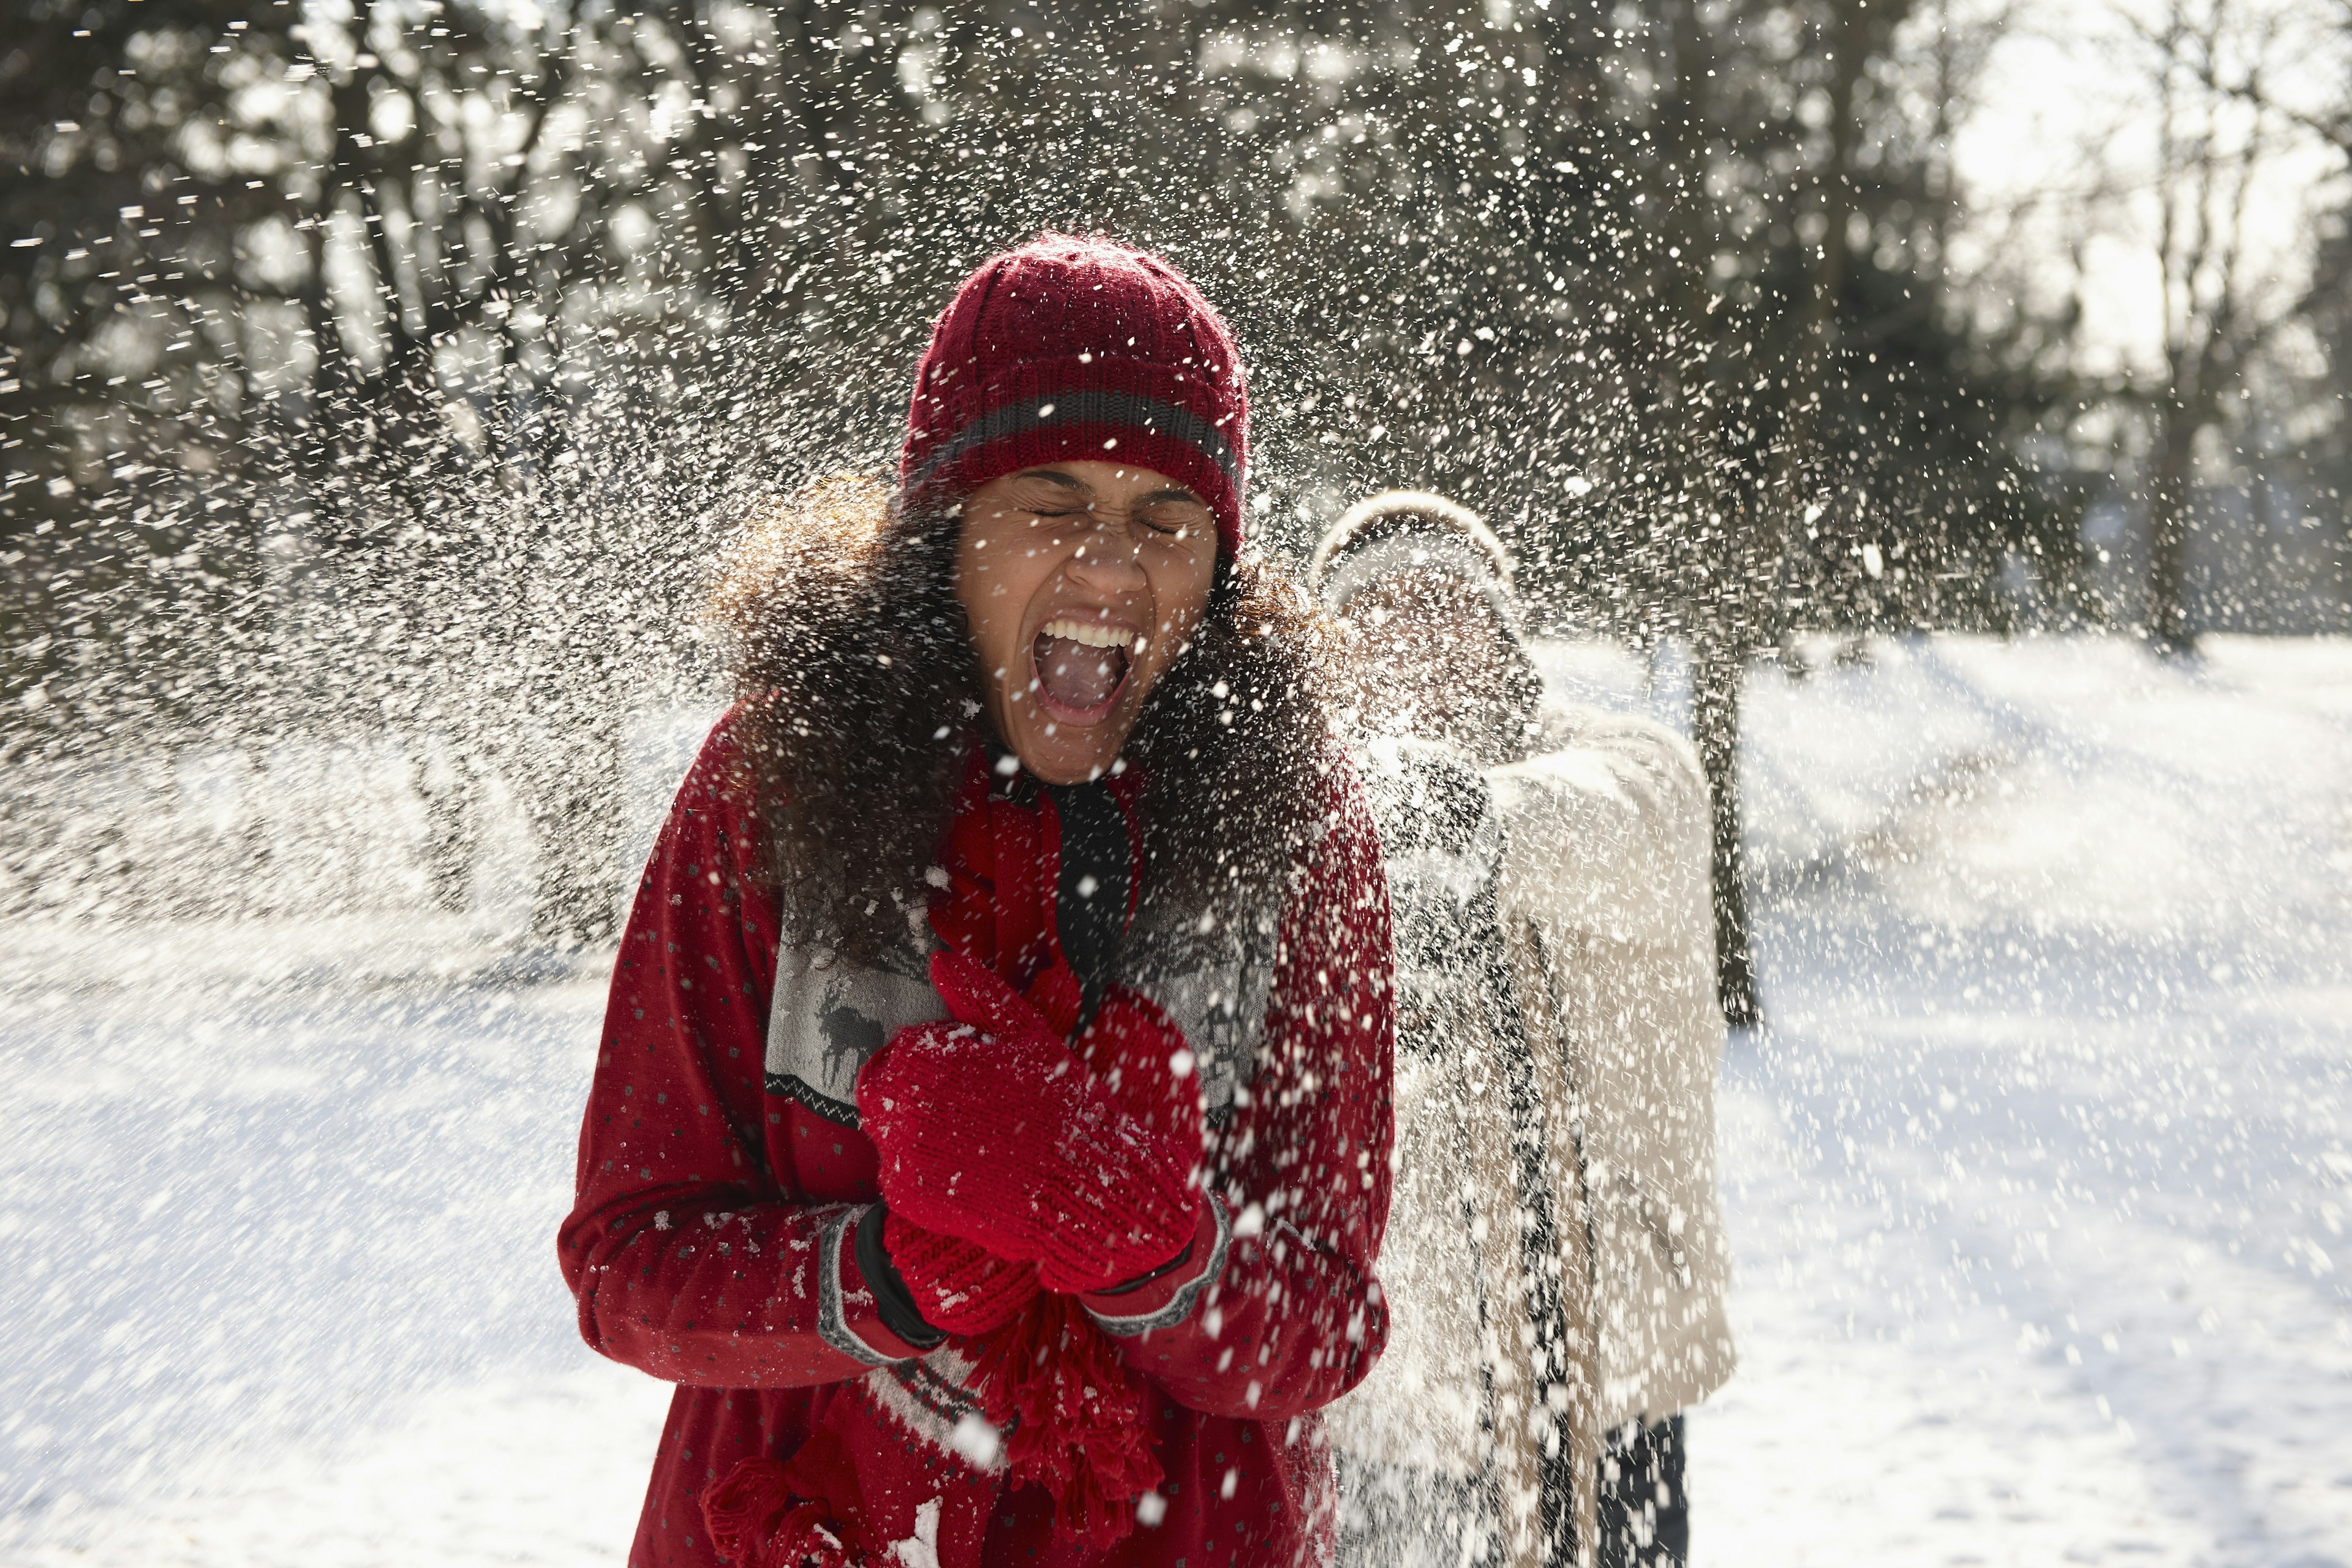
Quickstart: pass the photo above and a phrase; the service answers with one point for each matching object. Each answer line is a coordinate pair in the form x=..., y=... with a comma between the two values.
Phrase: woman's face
x=1082, y=580
x=1439, y=657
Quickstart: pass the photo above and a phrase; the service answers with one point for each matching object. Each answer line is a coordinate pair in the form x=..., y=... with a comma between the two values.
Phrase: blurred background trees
x=398, y=366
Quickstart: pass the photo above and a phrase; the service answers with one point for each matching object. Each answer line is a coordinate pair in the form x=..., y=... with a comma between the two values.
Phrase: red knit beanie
x=1067, y=349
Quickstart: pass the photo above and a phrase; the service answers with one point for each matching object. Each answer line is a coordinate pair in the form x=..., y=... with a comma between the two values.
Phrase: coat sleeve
x=1292, y=1315
x=1609, y=834
x=1607, y=863
x=686, y=1257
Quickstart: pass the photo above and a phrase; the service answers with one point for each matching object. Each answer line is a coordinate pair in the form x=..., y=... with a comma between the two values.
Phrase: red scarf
x=1069, y=1412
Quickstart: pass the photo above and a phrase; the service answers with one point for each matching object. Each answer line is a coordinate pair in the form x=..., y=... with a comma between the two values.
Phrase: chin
x=1074, y=753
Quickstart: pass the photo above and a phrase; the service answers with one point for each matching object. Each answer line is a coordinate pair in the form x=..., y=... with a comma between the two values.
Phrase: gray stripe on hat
x=1085, y=408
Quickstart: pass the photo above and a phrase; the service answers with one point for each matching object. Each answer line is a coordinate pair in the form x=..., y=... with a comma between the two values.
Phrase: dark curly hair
x=862, y=701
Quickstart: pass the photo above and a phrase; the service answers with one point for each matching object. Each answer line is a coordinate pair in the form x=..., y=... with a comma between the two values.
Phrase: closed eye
x=1175, y=521
x=1171, y=511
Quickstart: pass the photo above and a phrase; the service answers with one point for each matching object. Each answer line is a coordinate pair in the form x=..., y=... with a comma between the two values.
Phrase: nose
x=1107, y=561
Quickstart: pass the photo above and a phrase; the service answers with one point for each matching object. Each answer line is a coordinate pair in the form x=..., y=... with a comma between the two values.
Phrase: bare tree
x=2219, y=134
x=1743, y=478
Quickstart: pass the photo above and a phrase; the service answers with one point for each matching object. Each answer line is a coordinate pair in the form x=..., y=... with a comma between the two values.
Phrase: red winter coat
x=711, y=1198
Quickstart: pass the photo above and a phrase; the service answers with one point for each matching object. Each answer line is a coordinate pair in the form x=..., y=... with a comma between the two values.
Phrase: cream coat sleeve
x=1606, y=836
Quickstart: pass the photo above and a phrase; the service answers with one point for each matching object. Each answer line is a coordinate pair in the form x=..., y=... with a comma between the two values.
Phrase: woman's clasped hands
x=1012, y=1161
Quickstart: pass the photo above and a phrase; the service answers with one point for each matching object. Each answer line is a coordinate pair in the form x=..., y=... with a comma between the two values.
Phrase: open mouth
x=1082, y=668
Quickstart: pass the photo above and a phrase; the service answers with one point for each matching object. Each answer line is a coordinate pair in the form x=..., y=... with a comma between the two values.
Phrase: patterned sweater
x=720, y=1165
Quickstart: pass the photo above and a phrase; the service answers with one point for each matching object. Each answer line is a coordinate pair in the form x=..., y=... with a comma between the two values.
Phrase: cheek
x=995, y=578
x=1180, y=588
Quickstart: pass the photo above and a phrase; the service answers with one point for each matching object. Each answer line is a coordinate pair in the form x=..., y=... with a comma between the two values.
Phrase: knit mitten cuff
x=1166, y=1297
x=848, y=1316
x=893, y=1301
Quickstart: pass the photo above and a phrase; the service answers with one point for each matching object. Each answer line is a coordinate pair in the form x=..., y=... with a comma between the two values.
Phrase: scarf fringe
x=1074, y=1419
x=1050, y=1379
x=769, y=1515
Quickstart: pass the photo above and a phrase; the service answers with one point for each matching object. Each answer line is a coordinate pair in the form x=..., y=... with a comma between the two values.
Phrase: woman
x=1600, y=883
x=990, y=1135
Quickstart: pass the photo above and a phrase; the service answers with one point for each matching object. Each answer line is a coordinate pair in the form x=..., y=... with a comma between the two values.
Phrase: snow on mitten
x=1135, y=1048
x=990, y=1130
x=958, y=1286
x=1141, y=1056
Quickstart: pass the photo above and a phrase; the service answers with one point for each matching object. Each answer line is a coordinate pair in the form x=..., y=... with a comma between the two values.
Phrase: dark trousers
x=1644, y=1510
x=1393, y=1516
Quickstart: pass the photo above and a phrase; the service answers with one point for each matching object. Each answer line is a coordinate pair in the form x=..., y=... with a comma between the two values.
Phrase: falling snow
x=2037, y=1180
x=380, y=381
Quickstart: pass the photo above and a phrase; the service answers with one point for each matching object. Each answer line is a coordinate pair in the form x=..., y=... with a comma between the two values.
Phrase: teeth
x=1092, y=635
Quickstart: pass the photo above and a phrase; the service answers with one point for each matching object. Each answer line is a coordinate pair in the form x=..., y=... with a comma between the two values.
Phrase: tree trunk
x=2336, y=612
x=1718, y=667
x=574, y=791
x=2167, y=536
x=450, y=830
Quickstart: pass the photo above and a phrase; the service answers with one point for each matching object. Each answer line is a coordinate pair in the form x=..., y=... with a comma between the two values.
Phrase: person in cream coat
x=1452, y=1452
x=1600, y=894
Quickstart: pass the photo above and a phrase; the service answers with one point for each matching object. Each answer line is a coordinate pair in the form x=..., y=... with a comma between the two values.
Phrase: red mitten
x=1133, y=1046
x=958, y=1286
x=807, y=1512
x=1141, y=1058
x=990, y=1129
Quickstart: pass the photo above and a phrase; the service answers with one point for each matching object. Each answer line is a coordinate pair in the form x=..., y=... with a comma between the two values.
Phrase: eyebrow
x=1057, y=477
x=1172, y=493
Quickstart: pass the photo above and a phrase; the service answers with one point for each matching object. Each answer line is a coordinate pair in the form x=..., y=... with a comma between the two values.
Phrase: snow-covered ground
x=2038, y=1178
